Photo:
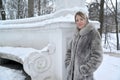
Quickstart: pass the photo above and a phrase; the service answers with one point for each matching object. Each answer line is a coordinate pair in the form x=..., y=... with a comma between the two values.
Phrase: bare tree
x=30, y=8
x=39, y=7
x=0, y=4
x=114, y=15
x=116, y=22
x=117, y=29
x=22, y=9
x=101, y=16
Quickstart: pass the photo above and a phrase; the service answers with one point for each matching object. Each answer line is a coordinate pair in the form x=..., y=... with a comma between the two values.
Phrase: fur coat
x=84, y=54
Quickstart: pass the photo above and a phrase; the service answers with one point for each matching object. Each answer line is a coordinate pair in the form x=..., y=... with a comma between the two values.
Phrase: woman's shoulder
x=91, y=26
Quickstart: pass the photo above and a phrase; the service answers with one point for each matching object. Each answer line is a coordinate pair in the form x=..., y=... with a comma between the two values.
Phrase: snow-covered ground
x=10, y=74
x=109, y=69
x=110, y=44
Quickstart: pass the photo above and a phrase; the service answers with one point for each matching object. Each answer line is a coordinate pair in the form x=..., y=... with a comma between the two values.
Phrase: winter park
x=34, y=37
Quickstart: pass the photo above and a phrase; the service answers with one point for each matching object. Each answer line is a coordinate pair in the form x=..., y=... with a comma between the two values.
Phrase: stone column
x=70, y=6
x=63, y=4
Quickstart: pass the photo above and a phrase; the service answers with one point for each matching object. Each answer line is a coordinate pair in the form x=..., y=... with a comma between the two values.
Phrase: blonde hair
x=84, y=16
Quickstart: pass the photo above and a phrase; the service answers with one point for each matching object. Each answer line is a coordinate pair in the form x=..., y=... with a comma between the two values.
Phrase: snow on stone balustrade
x=19, y=54
x=63, y=19
x=64, y=15
x=67, y=19
x=57, y=33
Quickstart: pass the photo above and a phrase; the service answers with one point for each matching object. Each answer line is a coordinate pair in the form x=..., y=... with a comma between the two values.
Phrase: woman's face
x=80, y=21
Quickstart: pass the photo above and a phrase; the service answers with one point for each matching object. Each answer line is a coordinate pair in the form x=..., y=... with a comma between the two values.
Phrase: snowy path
x=109, y=70
x=10, y=74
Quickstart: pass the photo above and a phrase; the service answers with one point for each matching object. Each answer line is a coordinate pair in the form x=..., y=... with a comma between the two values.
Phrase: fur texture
x=84, y=54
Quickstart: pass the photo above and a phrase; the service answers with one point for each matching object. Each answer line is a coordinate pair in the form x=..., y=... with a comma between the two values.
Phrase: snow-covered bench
x=34, y=61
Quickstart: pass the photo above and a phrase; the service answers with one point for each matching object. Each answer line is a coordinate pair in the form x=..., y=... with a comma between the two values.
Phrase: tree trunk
x=30, y=8
x=18, y=9
x=101, y=16
x=1, y=4
x=39, y=7
x=117, y=29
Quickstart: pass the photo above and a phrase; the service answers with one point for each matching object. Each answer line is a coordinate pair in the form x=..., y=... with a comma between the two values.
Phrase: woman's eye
x=77, y=20
x=81, y=19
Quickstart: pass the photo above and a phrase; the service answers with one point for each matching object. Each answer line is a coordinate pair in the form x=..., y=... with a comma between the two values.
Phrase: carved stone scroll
x=39, y=64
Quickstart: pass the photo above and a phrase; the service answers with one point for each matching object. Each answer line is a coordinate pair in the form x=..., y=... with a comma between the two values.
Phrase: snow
x=21, y=52
x=109, y=69
x=110, y=45
x=10, y=74
x=45, y=17
x=68, y=18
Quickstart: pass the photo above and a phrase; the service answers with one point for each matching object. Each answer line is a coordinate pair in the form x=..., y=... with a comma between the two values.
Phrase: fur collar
x=87, y=29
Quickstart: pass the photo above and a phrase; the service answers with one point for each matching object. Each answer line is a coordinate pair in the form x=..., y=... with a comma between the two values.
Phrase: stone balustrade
x=40, y=60
x=37, y=63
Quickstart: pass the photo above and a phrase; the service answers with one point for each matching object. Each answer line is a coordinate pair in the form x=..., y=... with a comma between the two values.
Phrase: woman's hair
x=84, y=16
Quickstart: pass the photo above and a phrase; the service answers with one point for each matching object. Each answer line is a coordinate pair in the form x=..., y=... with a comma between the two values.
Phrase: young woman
x=84, y=54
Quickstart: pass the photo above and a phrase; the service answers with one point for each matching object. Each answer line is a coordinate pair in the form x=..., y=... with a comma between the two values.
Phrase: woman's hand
x=84, y=69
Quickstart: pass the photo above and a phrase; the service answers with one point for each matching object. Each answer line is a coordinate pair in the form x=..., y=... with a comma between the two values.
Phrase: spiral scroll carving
x=37, y=63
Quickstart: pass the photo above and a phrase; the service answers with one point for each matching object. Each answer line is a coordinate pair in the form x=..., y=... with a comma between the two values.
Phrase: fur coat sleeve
x=68, y=54
x=95, y=58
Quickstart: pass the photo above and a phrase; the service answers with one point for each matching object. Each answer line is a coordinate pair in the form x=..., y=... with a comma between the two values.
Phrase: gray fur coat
x=84, y=54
